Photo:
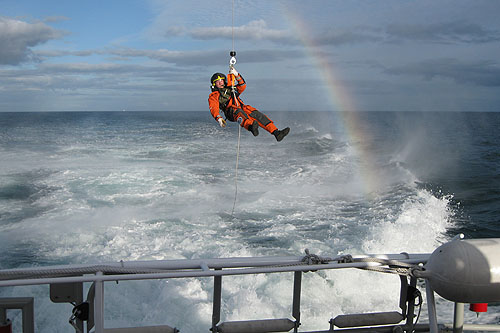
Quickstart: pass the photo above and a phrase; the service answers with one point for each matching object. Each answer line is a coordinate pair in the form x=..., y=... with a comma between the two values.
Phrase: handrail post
x=99, y=304
x=458, y=318
x=403, y=296
x=216, y=301
x=297, y=286
x=411, y=303
x=3, y=315
x=431, y=306
x=29, y=316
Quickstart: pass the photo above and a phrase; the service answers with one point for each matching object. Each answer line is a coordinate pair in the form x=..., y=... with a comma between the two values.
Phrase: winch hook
x=232, y=61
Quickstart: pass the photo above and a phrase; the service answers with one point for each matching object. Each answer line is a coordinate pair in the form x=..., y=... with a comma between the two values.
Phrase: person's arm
x=238, y=79
x=241, y=84
x=213, y=103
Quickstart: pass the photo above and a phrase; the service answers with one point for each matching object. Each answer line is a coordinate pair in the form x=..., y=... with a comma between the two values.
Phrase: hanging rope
x=232, y=25
x=232, y=62
x=236, y=172
x=237, y=149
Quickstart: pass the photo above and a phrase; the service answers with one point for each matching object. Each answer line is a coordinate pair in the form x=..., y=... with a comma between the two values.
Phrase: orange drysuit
x=233, y=107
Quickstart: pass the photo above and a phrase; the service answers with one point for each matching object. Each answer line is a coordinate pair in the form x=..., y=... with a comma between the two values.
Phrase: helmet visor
x=217, y=78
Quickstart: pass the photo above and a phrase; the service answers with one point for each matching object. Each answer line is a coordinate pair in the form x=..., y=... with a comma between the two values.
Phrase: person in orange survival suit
x=224, y=97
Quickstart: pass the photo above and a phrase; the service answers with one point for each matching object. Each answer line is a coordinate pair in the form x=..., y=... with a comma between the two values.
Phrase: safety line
x=236, y=172
x=237, y=151
x=232, y=25
x=239, y=127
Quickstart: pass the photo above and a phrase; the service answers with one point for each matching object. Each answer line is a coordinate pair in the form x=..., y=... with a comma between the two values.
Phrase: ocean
x=85, y=187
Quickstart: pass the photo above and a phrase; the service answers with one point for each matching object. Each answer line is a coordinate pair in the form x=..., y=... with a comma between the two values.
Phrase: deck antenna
x=232, y=62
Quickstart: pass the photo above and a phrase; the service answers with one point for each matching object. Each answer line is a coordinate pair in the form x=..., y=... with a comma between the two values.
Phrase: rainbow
x=340, y=100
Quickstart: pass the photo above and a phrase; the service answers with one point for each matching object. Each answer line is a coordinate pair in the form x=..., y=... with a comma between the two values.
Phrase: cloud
x=52, y=19
x=43, y=54
x=458, y=31
x=481, y=73
x=185, y=59
x=175, y=31
x=83, y=86
x=353, y=35
x=101, y=86
x=453, y=32
x=204, y=58
x=86, y=69
x=18, y=37
x=254, y=30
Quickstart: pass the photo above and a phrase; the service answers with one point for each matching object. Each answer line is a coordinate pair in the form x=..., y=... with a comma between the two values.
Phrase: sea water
x=86, y=187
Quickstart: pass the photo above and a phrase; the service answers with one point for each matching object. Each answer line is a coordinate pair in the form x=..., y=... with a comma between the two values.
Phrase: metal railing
x=66, y=284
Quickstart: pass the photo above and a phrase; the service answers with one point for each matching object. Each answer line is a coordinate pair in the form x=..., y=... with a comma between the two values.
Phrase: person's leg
x=261, y=118
x=246, y=122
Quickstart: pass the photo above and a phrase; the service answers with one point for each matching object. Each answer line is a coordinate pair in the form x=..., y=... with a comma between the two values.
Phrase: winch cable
x=232, y=23
x=232, y=62
x=236, y=171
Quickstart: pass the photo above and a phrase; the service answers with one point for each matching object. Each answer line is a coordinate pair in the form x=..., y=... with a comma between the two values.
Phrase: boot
x=279, y=135
x=254, y=128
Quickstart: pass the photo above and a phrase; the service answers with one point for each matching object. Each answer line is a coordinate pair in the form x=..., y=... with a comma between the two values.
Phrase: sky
x=295, y=55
